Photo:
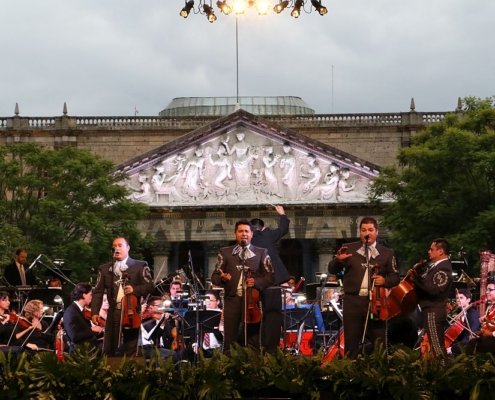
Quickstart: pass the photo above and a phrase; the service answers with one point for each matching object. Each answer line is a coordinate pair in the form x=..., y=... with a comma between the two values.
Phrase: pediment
x=242, y=159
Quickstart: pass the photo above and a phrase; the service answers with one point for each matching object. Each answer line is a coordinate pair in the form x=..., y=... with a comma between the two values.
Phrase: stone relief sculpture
x=164, y=186
x=271, y=180
x=244, y=155
x=193, y=176
x=288, y=175
x=253, y=169
x=144, y=192
x=310, y=174
x=223, y=171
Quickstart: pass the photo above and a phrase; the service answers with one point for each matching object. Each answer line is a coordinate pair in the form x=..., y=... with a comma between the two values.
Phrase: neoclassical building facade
x=204, y=163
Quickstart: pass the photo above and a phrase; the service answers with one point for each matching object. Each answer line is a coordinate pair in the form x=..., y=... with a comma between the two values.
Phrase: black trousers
x=434, y=323
x=234, y=328
x=271, y=328
x=355, y=310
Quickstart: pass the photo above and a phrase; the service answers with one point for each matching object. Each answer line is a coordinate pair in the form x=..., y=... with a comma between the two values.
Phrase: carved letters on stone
x=244, y=167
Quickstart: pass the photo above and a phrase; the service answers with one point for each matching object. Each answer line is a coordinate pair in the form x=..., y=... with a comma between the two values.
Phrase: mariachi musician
x=485, y=342
x=240, y=269
x=124, y=280
x=432, y=282
x=367, y=266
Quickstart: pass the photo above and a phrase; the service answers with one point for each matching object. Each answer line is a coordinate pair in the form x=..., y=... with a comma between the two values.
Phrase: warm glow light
x=239, y=6
x=262, y=6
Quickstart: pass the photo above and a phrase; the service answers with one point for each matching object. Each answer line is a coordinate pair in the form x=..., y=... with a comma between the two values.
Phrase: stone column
x=160, y=261
x=211, y=250
x=326, y=249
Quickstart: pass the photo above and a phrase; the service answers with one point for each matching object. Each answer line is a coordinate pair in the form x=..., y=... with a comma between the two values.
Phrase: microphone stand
x=199, y=335
x=56, y=271
x=370, y=290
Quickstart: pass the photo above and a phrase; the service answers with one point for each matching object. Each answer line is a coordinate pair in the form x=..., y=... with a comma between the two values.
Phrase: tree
x=67, y=203
x=444, y=185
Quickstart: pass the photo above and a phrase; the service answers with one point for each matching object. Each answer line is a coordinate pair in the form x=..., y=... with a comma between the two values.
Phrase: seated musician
x=211, y=340
x=77, y=326
x=159, y=331
x=179, y=302
x=485, y=342
x=6, y=322
x=30, y=329
x=469, y=318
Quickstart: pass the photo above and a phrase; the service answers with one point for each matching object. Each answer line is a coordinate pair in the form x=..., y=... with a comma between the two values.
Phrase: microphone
x=366, y=238
x=114, y=250
x=243, y=242
x=33, y=263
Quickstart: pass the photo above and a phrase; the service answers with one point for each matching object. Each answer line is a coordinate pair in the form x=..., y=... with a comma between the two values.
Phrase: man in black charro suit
x=359, y=275
x=228, y=274
x=111, y=281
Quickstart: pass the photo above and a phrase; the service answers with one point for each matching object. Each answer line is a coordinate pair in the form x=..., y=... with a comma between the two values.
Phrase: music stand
x=207, y=320
x=294, y=317
x=311, y=289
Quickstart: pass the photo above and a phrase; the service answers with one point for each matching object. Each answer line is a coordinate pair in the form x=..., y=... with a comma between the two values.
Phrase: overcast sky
x=108, y=57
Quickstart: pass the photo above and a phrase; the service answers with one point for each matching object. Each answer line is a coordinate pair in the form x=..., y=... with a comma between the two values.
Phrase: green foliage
x=65, y=203
x=444, y=185
x=400, y=373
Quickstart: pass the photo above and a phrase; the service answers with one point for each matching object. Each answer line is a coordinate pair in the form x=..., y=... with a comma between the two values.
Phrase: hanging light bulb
x=320, y=8
x=296, y=11
x=187, y=9
x=279, y=7
x=210, y=15
x=224, y=7
x=262, y=7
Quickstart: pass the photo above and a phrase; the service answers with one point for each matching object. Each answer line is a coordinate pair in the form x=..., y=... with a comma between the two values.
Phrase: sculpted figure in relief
x=193, y=174
x=288, y=171
x=143, y=193
x=224, y=168
x=163, y=185
x=244, y=155
x=310, y=175
x=269, y=162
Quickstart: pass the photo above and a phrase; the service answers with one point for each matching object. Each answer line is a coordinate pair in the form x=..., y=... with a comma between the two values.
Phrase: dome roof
x=220, y=106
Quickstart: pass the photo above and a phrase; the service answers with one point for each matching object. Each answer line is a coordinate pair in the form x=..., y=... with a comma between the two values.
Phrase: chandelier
x=263, y=7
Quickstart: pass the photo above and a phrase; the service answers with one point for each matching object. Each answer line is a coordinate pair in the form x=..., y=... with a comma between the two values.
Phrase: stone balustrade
x=151, y=122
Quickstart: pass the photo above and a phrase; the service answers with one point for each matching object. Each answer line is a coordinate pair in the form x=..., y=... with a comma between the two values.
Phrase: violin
x=87, y=314
x=130, y=314
x=252, y=311
x=379, y=302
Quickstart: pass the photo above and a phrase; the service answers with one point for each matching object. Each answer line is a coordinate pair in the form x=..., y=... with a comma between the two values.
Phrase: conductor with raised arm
x=268, y=238
x=122, y=277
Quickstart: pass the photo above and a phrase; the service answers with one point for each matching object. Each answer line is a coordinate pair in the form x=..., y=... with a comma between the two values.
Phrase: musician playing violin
x=6, y=325
x=119, y=278
x=432, y=282
x=30, y=329
x=485, y=342
x=77, y=326
x=239, y=267
x=468, y=317
x=367, y=266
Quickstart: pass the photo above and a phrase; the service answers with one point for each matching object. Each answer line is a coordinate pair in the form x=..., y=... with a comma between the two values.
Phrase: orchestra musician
x=30, y=329
x=159, y=331
x=6, y=319
x=366, y=264
x=112, y=281
x=16, y=273
x=485, y=342
x=468, y=318
x=240, y=268
x=77, y=326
